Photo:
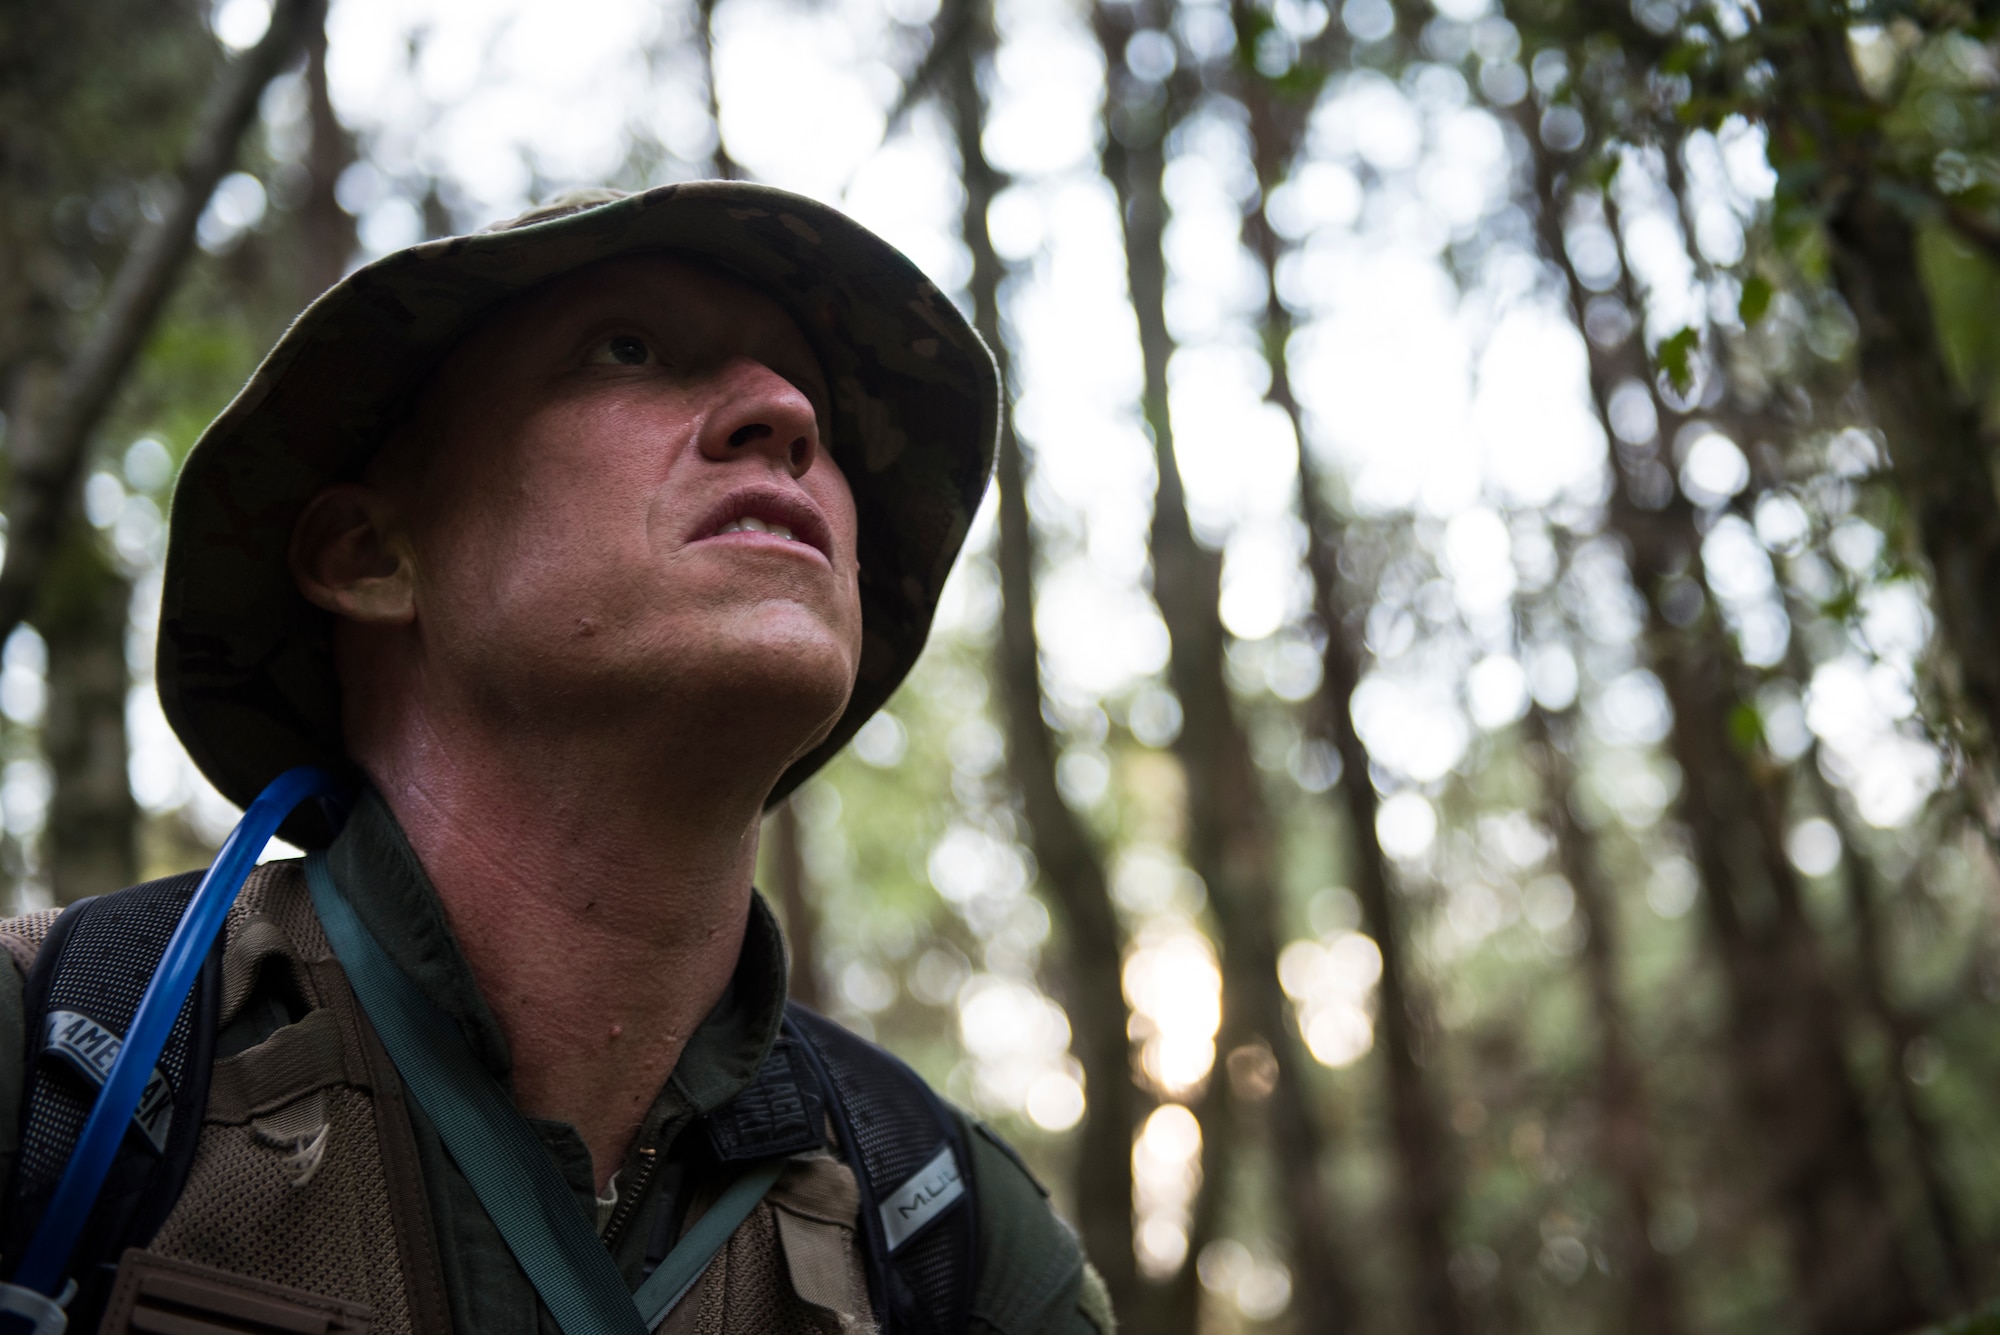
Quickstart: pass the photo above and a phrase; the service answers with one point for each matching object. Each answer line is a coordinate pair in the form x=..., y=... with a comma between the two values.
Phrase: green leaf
x=1842, y=607
x=1672, y=356
x=1302, y=82
x=1746, y=728
x=1684, y=57
x=1756, y=299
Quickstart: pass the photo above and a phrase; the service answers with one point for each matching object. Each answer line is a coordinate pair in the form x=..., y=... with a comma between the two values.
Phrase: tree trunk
x=1134, y=170
x=1860, y=881
x=1786, y=1032
x=1428, y=1185
x=795, y=905
x=1649, y=1292
x=1070, y=864
x=328, y=229
x=1942, y=457
x=1427, y=1177
x=1230, y=838
x=720, y=162
x=92, y=834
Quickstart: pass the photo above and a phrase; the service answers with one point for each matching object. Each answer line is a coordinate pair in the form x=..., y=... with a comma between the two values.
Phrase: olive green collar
x=381, y=876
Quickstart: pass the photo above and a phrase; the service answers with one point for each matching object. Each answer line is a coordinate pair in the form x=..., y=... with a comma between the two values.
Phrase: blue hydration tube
x=42, y=1269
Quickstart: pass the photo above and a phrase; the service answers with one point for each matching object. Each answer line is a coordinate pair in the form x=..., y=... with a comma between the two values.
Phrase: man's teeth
x=748, y=525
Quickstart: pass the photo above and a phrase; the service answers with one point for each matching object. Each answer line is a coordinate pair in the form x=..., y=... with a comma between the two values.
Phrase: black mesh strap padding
x=98, y=958
x=891, y=1126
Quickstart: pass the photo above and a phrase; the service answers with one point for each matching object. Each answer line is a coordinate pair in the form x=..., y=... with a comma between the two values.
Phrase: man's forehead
x=696, y=307
x=660, y=283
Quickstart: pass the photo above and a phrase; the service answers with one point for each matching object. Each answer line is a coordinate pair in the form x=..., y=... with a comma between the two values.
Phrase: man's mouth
x=772, y=512
x=750, y=525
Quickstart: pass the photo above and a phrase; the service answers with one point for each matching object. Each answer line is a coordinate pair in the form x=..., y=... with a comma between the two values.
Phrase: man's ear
x=348, y=556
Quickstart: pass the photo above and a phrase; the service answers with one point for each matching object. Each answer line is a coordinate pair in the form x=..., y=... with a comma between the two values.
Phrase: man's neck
x=600, y=902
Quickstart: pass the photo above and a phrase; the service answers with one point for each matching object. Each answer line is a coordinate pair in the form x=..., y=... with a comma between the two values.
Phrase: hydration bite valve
x=26, y=1312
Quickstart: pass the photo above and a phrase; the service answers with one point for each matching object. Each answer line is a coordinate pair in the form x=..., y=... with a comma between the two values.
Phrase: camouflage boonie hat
x=244, y=664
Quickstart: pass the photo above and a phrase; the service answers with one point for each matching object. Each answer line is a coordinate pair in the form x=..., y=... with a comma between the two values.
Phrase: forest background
x=1454, y=789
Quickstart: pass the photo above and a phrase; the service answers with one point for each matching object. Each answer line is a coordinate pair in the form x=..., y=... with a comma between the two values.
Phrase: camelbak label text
x=923, y=1198
x=91, y=1049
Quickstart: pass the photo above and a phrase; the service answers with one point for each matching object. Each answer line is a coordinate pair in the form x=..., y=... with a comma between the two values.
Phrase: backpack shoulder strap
x=918, y=1218
x=80, y=998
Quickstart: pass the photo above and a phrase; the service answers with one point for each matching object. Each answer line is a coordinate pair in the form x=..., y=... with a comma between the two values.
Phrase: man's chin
x=805, y=680
x=775, y=632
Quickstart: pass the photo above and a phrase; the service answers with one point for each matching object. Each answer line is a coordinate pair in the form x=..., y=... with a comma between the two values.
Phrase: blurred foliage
x=94, y=106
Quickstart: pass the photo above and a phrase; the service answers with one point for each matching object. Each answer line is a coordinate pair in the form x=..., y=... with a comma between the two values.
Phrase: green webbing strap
x=510, y=1172
x=666, y=1286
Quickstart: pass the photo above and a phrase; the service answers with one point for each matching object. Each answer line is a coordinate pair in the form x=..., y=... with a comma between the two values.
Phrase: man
x=577, y=543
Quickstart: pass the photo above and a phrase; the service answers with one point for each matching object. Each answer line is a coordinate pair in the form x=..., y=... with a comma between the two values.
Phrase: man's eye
x=623, y=350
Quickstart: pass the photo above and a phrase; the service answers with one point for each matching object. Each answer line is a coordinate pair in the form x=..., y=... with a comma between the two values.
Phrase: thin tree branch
x=725, y=166
x=954, y=28
x=47, y=453
x=795, y=901
x=1087, y=972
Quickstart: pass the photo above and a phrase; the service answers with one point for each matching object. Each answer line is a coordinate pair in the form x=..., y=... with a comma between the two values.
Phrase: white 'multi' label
x=923, y=1198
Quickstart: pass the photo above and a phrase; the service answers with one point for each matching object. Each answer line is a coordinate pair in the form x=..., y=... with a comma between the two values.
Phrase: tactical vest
x=279, y=1188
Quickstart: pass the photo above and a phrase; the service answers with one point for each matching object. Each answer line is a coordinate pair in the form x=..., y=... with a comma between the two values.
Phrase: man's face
x=621, y=493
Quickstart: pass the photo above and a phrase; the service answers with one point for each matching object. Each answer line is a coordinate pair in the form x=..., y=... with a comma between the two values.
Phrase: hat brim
x=244, y=666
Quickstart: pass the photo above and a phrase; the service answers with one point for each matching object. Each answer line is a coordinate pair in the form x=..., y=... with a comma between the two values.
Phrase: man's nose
x=763, y=413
